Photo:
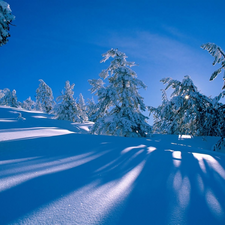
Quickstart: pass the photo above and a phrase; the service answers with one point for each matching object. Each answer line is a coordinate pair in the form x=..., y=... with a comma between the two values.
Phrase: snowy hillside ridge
x=37, y=123
x=54, y=172
x=12, y=118
x=14, y=121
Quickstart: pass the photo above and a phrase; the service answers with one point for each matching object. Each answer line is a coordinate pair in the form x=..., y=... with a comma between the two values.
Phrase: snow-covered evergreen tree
x=8, y=98
x=82, y=109
x=4, y=95
x=161, y=123
x=6, y=18
x=187, y=112
x=14, y=102
x=44, y=97
x=28, y=104
x=219, y=111
x=119, y=104
x=67, y=109
x=219, y=56
x=91, y=109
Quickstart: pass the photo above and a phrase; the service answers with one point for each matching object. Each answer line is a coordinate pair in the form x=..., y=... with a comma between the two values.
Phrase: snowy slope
x=53, y=172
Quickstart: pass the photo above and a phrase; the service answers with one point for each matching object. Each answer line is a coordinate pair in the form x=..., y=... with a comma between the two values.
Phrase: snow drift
x=54, y=172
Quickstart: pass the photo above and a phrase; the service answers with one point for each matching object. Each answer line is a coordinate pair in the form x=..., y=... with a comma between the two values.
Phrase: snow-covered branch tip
x=6, y=18
x=96, y=84
x=219, y=57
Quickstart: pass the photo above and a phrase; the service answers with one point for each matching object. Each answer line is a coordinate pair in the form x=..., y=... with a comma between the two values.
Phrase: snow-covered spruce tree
x=44, y=97
x=14, y=102
x=119, y=104
x=91, y=109
x=162, y=124
x=82, y=109
x=219, y=57
x=6, y=18
x=100, y=107
x=216, y=121
x=67, y=108
x=4, y=95
x=28, y=104
x=187, y=112
x=8, y=98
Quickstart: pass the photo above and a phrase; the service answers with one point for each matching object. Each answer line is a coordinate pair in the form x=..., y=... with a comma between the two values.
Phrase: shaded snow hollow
x=53, y=172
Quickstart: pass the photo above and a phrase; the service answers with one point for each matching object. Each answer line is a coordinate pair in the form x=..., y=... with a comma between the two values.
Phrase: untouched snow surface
x=53, y=172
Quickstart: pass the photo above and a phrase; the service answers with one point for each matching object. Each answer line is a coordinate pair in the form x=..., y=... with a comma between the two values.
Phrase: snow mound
x=20, y=122
x=53, y=172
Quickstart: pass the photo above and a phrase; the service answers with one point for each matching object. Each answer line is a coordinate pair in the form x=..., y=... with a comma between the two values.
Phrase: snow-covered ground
x=54, y=172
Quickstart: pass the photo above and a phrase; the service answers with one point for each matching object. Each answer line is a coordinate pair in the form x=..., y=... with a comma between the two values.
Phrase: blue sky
x=63, y=40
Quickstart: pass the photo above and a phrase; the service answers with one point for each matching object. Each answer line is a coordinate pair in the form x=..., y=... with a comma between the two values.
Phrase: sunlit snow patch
x=40, y=117
x=180, y=137
x=176, y=157
x=211, y=161
x=138, y=153
x=4, y=162
x=132, y=147
x=7, y=120
x=214, y=205
x=86, y=126
x=151, y=149
x=7, y=135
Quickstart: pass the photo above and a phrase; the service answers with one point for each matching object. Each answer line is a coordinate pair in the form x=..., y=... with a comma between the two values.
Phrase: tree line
x=119, y=110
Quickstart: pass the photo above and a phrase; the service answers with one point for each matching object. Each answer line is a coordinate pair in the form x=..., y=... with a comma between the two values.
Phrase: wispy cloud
x=150, y=47
x=175, y=32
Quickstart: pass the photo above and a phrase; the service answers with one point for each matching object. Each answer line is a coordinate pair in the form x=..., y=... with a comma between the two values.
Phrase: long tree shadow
x=148, y=201
x=87, y=179
x=175, y=188
x=36, y=172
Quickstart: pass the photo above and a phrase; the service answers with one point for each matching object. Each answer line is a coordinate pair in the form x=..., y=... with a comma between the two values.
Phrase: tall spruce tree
x=119, y=103
x=67, y=108
x=44, y=97
x=219, y=58
x=82, y=109
x=91, y=109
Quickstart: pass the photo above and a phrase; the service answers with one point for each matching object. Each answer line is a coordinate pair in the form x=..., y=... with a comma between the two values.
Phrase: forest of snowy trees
x=120, y=108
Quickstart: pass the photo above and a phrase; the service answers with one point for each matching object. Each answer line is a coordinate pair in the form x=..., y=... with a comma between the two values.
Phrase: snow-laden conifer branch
x=219, y=57
x=6, y=18
x=97, y=84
